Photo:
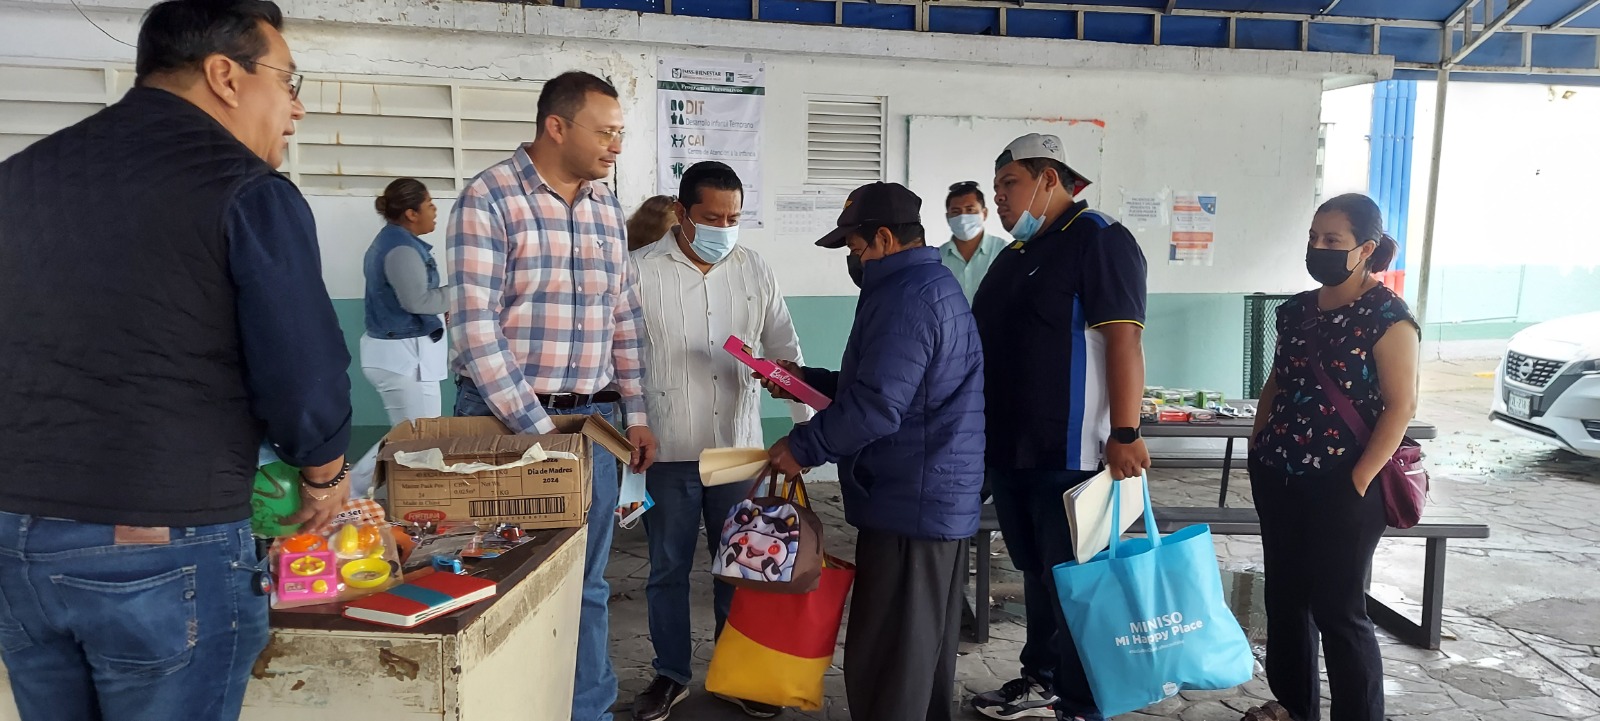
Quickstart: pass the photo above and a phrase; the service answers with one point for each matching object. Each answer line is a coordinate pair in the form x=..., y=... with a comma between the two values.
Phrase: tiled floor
x=1524, y=606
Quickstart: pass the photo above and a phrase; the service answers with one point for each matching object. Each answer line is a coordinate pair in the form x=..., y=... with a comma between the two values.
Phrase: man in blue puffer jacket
x=906, y=427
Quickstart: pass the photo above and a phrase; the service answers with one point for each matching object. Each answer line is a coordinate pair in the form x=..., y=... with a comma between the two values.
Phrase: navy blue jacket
x=906, y=422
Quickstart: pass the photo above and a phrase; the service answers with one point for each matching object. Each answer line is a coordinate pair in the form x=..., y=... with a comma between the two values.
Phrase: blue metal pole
x=1389, y=172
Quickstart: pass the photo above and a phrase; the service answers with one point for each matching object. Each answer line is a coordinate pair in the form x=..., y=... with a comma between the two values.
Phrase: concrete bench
x=1243, y=522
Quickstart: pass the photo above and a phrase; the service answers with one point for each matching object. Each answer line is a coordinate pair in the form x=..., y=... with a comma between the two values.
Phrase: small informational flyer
x=1194, y=222
x=1142, y=210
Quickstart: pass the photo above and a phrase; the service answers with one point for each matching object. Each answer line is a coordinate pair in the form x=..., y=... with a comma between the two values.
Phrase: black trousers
x=1318, y=535
x=1034, y=521
x=905, y=617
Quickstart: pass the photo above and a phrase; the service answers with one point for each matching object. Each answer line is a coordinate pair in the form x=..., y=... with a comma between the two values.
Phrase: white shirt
x=418, y=359
x=697, y=395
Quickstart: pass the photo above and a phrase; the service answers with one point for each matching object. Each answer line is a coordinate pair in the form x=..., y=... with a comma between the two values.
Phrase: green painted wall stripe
x=1192, y=340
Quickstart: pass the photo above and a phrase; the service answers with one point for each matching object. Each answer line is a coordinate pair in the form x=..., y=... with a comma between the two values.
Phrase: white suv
x=1547, y=386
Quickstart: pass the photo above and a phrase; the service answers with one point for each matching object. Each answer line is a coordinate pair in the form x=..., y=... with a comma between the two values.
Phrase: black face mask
x=1328, y=265
x=852, y=262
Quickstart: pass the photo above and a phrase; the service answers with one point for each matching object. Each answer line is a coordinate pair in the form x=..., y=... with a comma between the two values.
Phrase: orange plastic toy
x=304, y=543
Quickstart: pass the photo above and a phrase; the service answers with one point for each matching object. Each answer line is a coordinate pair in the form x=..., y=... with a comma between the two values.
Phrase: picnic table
x=1229, y=430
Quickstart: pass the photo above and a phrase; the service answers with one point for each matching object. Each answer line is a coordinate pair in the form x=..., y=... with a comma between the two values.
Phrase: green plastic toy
x=276, y=495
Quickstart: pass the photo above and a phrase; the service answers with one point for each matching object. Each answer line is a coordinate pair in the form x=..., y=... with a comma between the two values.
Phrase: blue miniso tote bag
x=1149, y=618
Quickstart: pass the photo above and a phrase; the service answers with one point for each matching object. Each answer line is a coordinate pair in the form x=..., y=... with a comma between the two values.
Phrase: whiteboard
x=943, y=150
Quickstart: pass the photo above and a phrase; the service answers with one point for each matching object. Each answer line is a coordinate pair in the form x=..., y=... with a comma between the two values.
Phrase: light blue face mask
x=966, y=227
x=1027, y=225
x=713, y=244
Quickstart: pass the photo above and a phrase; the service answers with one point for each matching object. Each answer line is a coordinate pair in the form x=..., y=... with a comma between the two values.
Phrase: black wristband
x=1125, y=436
x=330, y=484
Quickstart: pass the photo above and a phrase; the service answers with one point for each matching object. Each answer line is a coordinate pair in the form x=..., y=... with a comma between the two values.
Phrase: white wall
x=1348, y=112
x=1516, y=185
x=1251, y=139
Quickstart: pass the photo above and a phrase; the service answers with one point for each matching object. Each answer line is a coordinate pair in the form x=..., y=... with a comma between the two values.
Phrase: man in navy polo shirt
x=1061, y=313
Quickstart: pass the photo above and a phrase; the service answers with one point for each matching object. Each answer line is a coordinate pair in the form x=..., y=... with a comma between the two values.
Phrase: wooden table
x=510, y=657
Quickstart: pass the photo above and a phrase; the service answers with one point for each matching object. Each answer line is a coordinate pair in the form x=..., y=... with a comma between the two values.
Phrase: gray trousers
x=905, y=617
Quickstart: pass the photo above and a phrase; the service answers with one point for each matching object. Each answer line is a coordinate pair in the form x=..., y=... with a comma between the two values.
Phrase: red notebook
x=429, y=597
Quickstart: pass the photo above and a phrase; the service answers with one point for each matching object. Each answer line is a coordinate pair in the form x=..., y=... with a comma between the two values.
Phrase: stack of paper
x=1089, y=512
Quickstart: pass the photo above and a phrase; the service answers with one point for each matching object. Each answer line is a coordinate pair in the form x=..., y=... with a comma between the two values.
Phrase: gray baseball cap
x=1038, y=145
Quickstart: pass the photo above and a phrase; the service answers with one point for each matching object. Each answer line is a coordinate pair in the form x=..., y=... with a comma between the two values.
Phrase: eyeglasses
x=610, y=136
x=296, y=80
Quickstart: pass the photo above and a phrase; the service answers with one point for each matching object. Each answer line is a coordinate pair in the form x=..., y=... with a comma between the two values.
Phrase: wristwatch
x=1125, y=436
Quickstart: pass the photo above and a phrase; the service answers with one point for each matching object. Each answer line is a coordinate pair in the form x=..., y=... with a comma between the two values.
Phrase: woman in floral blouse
x=1321, y=515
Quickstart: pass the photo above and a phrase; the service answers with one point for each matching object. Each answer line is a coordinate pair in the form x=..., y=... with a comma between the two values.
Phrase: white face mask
x=966, y=227
x=712, y=243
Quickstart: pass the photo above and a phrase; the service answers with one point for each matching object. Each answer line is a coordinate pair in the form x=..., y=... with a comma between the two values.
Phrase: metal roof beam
x=1460, y=15
x=1505, y=70
x=1493, y=26
x=1574, y=15
x=1240, y=15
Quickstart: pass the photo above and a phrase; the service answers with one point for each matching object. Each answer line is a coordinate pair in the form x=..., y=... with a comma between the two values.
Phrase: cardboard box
x=555, y=493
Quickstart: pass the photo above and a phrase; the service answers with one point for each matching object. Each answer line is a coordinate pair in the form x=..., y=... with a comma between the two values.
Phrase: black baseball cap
x=875, y=204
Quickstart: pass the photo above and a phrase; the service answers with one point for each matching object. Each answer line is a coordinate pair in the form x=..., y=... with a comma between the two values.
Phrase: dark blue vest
x=386, y=319
x=124, y=391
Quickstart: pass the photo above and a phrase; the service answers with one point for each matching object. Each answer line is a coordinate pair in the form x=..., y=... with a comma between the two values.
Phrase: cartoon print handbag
x=771, y=543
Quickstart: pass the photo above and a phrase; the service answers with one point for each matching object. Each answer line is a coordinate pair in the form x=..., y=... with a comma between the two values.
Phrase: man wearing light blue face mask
x=698, y=286
x=971, y=249
x=1064, y=307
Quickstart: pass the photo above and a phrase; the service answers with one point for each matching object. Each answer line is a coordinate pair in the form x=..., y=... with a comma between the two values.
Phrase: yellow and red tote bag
x=776, y=647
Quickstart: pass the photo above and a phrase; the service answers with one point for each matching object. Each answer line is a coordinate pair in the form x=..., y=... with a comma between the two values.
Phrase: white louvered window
x=844, y=139
x=37, y=101
x=359, y=133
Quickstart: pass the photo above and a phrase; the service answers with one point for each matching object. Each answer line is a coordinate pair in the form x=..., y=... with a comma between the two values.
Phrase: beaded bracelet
x=330, y=484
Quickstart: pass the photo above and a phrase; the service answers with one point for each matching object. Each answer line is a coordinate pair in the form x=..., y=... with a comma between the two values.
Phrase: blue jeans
x=94, y=630
x=595, y=682
x=673, y=527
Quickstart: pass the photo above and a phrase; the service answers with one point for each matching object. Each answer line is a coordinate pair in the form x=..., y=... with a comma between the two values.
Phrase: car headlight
x=1588, y=367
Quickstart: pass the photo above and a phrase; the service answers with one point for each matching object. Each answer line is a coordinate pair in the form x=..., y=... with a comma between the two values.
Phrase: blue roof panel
x=1113, y=27
x=1134, y=22
x=1564, y=51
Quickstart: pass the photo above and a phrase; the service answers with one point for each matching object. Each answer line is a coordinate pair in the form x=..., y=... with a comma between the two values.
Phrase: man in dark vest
x=165, y=315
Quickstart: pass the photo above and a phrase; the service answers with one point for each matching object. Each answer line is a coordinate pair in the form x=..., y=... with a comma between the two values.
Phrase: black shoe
x=1018, y=699
x=751, y=708
x=656, y=703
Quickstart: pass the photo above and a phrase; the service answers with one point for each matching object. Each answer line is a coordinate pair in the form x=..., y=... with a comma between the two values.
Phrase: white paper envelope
x=721, y=466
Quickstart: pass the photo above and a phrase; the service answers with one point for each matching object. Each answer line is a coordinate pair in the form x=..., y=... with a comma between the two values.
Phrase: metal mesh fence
x=1260, y=339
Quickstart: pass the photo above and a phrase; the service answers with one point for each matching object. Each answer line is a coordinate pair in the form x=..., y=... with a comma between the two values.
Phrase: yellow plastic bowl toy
x=365, y=573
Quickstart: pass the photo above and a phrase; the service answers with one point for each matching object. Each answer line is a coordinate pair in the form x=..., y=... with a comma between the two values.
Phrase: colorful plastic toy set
x=356, y=559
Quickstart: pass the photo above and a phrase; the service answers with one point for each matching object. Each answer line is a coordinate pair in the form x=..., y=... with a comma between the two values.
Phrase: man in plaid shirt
x=546, y=319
